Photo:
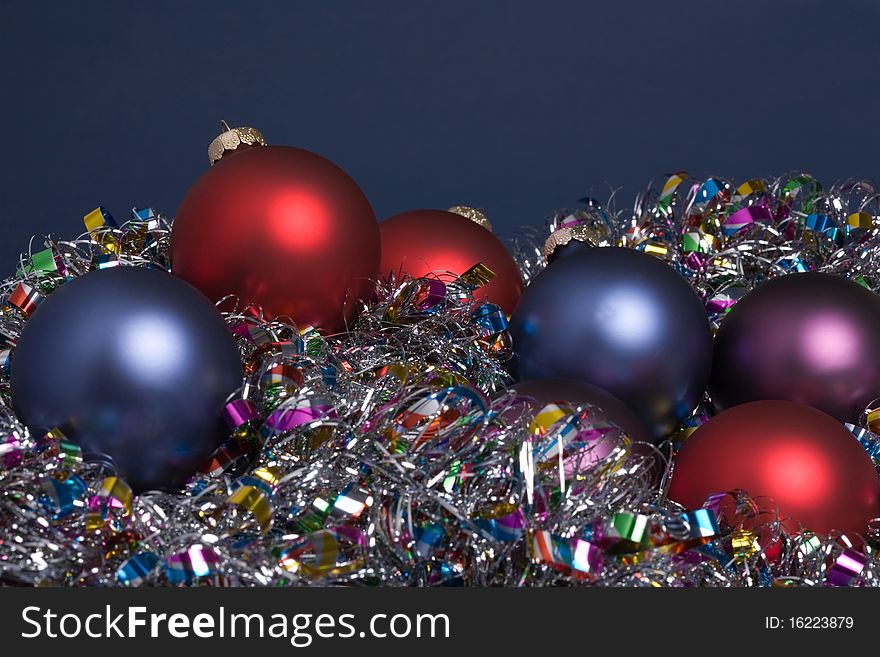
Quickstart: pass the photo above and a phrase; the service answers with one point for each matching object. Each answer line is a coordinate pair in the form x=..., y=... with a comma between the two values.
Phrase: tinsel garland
x=393, y=454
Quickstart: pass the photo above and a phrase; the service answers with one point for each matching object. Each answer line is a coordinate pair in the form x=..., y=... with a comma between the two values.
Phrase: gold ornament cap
x=474, y=214
x=580, y=233
x=232, y=139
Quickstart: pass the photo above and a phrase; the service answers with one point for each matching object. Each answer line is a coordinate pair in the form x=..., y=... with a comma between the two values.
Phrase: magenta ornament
x=812, y=338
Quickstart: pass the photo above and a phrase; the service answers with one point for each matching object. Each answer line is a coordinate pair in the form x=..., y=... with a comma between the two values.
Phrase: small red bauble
x=436, y=242
x=815, y=470
x=280, y=227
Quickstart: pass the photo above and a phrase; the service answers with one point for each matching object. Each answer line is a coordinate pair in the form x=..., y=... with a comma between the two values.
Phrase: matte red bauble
x=815, y=470
x=436, y=242
x=280, y=227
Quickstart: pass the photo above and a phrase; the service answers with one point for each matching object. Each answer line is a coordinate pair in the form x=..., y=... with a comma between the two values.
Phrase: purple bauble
x=811, y=338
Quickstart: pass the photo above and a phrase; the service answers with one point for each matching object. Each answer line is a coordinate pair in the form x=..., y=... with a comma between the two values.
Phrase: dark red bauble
x=282, y=228
x=547, y=391
x=424, y=242
x=815, y=470
x=812, y=338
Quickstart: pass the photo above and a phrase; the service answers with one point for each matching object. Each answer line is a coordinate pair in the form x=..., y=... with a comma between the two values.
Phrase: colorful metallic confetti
x=394, y=455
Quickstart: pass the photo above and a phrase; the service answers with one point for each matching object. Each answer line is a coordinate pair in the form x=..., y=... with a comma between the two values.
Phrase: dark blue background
x=518, y=107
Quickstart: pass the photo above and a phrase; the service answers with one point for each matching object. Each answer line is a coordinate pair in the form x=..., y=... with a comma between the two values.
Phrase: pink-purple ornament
x=812, y=338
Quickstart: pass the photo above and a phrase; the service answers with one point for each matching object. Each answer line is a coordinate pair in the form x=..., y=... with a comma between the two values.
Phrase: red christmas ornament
x=280, y=227
x=436, y=242
x=815, y=470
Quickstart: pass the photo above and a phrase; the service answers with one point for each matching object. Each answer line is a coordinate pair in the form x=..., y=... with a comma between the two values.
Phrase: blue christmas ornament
x=621, y=320
x=132, y=364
